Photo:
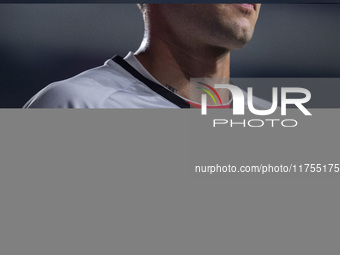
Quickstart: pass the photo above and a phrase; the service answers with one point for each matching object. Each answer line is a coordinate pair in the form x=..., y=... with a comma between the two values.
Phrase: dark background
x=42, y=43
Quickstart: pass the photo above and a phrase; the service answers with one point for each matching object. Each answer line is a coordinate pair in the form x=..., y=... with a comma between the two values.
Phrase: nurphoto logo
x=213, y=93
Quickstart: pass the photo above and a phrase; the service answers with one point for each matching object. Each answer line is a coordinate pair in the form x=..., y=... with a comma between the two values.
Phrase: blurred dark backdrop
x=42, y=43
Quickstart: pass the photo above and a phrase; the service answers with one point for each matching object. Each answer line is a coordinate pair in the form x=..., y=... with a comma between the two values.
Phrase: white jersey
x=119, y=83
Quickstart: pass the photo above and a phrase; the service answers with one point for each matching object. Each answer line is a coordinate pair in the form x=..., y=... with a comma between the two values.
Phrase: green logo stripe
x=208, y=92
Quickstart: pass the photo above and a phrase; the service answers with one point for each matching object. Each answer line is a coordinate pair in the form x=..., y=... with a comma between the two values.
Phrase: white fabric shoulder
x=107, y=86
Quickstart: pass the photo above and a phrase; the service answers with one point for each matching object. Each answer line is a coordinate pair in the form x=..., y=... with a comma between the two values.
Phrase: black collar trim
x=180, y=102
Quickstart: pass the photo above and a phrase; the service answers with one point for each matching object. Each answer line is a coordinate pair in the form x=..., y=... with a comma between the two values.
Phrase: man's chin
x=240, y=42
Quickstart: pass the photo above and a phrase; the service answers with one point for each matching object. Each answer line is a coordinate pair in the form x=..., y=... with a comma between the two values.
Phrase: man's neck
x=173, y=65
